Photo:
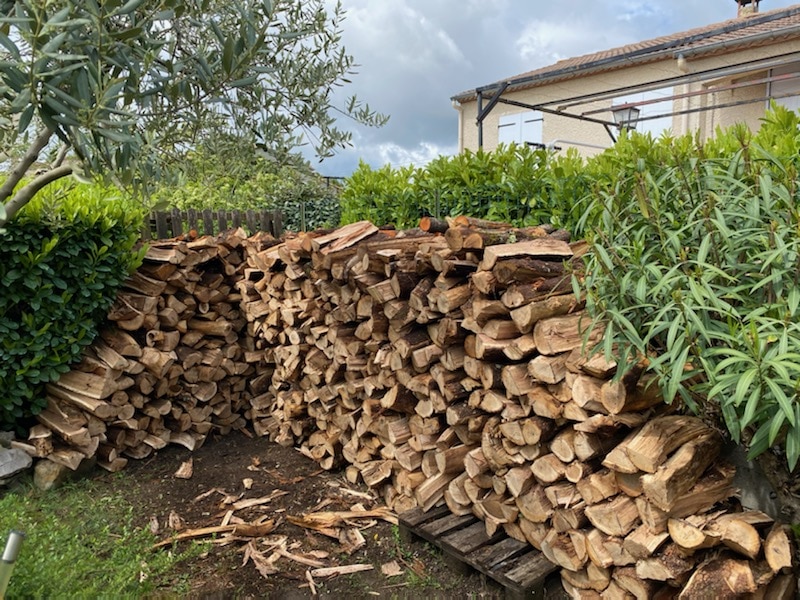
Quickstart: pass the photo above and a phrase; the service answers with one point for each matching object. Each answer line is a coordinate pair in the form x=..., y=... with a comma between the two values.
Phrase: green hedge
x=61, y=262
x=231, y=174
x=515, y=184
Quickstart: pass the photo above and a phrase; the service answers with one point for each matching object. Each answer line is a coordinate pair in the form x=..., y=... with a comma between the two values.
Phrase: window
x=655, y=127
x=786, y=91
x=520, y=128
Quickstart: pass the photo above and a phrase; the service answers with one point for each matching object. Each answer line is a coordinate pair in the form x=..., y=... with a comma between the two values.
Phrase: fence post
x=177, y=223
x=162, y=232
x=191, y=218
x=302, y=214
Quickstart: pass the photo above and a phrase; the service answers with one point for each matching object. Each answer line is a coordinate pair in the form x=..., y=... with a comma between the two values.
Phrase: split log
x=555, y=335
x=682, y=470
x=539, y=248
x=672, y=566
x=715, y=485
x=778, y=549
x=720, y=577
x=617, y=396
x=616, y=517
x=649, y=448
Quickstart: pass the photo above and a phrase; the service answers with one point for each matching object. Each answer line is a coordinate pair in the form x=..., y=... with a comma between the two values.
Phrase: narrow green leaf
x=783, y=401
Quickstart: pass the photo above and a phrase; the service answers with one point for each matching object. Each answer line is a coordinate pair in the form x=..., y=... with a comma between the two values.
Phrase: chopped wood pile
x=437, y=368
x=171, y=365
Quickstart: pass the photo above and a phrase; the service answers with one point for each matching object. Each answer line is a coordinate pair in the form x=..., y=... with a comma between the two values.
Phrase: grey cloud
x=415, y=54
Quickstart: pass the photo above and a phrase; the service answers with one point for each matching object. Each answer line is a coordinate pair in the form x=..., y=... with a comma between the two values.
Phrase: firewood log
x=714, y=486
x=539, y=248
x=591, y=577
x=555, y=335
x=720, y=577
x=565, y=549
x=648, y=449
x=615, y=517
x=778, y=549
x=682, y=470
x=672, y=565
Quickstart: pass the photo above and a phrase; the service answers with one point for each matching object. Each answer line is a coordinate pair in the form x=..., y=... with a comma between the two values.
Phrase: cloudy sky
x=415, y=54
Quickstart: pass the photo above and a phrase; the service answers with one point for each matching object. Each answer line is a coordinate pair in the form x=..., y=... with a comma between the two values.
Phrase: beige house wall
x=564, y=130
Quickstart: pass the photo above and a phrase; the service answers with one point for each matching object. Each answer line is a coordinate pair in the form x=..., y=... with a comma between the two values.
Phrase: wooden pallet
x=518, y=567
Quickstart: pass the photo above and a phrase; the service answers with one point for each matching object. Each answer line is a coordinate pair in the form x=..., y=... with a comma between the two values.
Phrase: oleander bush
x=62, y=260
x=695, y=262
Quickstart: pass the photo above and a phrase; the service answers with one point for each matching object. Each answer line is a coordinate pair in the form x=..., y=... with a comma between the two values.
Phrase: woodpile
x=172, y=365
x=446, y=367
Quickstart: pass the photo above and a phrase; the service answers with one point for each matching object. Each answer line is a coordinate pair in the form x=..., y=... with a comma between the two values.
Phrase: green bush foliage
x=61, y=263
x=229, y=173
x=515, y=184
x=695, y=262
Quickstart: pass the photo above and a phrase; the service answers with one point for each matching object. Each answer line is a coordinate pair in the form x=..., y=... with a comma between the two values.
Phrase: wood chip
x=241, y=529
x=247, y=482
x=265, y=566
x=351, y=540
x=328, y=519
x=300, y=558
x=392, y=569
x=175, y=521
x=311, y=583
x=186, y=470
x=343, y=570
x=207, y=493
x=249, y=502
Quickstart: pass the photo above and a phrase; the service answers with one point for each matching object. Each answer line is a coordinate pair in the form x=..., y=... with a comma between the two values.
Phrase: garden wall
x=437, y=368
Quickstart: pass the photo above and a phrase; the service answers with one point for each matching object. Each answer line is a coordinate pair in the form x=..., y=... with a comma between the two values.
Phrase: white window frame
x=791, y=86
x=521, y=128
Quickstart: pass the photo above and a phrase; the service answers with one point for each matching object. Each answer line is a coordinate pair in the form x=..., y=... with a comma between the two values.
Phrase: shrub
x=62, y=260
x=515, y=184
x=246, y=180
x=695, y=262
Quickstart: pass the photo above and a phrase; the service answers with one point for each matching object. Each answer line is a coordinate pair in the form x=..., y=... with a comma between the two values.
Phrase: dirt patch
x=296, y=486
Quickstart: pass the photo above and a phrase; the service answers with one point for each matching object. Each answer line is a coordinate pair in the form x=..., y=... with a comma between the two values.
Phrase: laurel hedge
x=62, y=261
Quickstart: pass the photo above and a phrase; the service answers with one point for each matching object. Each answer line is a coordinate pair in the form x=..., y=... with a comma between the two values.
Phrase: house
x=695, y=80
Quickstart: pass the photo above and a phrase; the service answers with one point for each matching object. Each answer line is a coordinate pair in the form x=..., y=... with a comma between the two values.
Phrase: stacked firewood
x=437, y=368
x=453, y=369
x=172, y=365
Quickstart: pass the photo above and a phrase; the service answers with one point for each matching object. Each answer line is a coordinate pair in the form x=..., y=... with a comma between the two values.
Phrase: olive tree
x=119, y=87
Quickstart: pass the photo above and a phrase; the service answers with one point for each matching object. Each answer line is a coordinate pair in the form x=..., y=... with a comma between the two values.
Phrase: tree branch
x=19, y=170
x=24, y=195
x=62, y=154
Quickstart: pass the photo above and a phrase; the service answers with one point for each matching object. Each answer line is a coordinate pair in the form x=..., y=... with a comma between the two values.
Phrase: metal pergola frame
x=492, y=95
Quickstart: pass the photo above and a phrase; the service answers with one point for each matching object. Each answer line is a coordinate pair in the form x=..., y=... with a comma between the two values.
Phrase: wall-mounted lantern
x=625, y=116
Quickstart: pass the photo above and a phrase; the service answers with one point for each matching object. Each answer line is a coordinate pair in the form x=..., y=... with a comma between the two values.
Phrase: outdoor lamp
x=625, y=116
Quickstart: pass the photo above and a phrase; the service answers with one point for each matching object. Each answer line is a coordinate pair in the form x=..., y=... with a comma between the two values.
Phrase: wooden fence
x=168, y=224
